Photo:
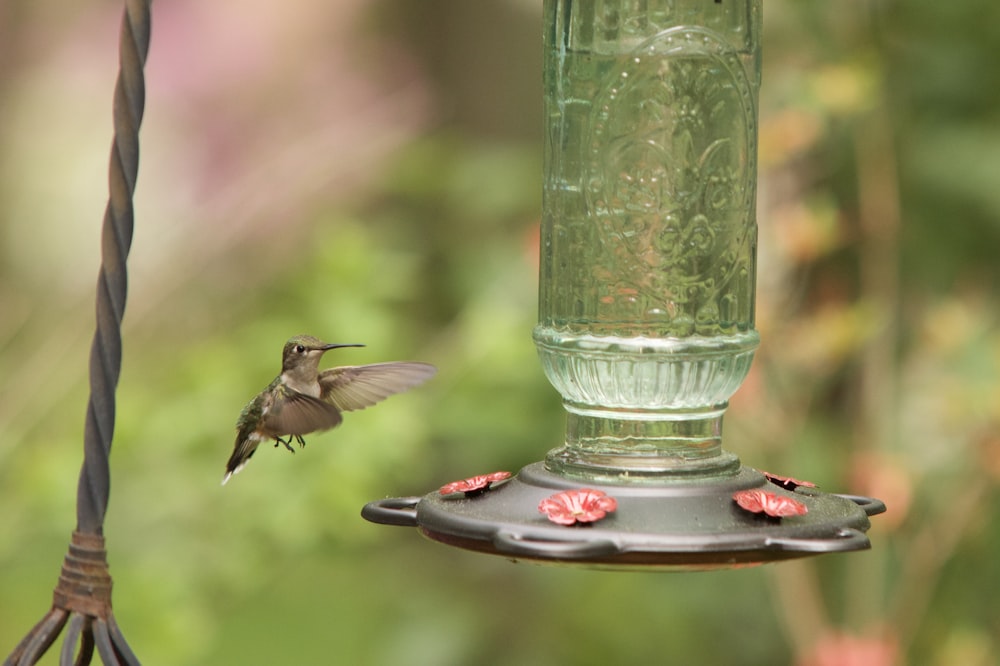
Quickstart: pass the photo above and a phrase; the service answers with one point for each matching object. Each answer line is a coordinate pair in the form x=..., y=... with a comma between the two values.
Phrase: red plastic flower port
x=756, y=500
x=787, y=482
x=474, y=484
x=577, y=506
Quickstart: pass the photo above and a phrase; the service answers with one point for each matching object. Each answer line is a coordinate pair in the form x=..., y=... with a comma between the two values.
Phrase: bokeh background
x=369, y=171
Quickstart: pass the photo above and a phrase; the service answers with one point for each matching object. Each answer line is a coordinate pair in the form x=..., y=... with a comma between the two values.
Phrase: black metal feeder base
x=684, y=524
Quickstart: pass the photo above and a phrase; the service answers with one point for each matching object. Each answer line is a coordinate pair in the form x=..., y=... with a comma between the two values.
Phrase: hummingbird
x=302, y=400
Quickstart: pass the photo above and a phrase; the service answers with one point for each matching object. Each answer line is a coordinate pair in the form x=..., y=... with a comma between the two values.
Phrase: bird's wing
x=299, y=414
x=359, y=386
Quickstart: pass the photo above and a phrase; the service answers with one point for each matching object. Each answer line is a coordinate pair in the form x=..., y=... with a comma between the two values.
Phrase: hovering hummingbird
x=302, y=399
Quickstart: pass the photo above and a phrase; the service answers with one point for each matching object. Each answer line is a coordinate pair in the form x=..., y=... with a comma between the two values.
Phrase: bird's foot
x=286, y=442
x=302, y=442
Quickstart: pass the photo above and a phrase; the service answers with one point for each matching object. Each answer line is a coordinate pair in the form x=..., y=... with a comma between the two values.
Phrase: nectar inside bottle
x=646, y=297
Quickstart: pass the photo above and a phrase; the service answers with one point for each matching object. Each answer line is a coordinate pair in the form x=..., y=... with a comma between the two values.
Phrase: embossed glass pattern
x=646, y=299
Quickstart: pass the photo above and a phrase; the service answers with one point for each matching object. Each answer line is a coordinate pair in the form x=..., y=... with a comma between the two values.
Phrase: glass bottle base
x=633, y=446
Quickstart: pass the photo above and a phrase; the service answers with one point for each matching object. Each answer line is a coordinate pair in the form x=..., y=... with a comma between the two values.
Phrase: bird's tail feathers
x=244, y=449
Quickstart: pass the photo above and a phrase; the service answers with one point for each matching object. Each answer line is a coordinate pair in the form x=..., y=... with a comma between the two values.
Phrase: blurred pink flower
x=839, y=649
x=885, y=476
x=787, y=482
x=756, y=500
x=474, y=484
x=577, y=506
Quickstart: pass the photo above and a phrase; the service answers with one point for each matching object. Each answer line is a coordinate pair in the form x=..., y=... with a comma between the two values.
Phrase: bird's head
x=305, y=351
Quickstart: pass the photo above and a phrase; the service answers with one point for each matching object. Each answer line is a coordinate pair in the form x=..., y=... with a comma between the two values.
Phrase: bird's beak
x=337, y=346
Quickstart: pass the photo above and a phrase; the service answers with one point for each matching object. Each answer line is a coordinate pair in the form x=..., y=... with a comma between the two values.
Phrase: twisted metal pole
x=82, y=597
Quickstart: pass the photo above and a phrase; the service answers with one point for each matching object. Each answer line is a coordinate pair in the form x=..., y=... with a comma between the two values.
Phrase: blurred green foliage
x=370, y=172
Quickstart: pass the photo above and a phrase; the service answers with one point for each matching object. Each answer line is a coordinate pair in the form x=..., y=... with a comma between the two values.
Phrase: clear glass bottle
x=646, y=296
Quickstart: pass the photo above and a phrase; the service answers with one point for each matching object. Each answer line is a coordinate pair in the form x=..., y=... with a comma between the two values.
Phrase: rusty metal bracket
x=85, y=582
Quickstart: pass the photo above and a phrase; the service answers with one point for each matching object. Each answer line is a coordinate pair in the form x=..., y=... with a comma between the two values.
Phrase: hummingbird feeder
x=646, y=310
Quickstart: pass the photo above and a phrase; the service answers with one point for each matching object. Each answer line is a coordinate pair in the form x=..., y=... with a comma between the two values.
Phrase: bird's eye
x=300, y=349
